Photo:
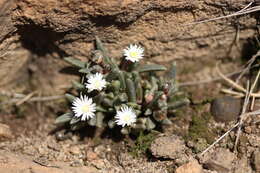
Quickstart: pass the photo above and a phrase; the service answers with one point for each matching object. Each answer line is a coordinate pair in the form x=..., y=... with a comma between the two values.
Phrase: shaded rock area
x=53, y=29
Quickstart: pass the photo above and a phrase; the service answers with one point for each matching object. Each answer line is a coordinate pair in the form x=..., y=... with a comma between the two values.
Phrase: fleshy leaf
x=84, y=70
x=63, y=118
x=179, y=103
x=99, y=119
x=70, y=97
x=150, y=124
x=111, y=124
x=78, y=85
x=74, y=120
x=130, y=89
x=75, y=62
x=151, y=67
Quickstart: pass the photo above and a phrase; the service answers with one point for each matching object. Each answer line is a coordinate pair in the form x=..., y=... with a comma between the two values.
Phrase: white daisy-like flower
x=96, y=82
x=134, y=53
x=84, y=107
x=125, y=116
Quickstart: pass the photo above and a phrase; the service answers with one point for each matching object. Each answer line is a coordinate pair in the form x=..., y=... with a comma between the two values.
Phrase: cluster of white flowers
x=84, y=107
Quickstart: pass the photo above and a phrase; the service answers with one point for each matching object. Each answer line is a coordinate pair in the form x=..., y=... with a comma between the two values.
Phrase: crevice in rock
x=40, y=40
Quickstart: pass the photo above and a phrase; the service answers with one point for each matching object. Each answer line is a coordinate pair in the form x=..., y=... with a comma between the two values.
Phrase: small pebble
x=226, y=109
x=90, y=155
x=248, y=129
x=75, y=150
x=61, y=136
x=77, y=163
x=168, y=147
x=190, y=167
x=5, y=132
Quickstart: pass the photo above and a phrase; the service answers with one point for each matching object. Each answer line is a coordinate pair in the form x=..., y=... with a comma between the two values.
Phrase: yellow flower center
x=126, y=118
x=85, y=108
x=97, y=84
x=133, y=54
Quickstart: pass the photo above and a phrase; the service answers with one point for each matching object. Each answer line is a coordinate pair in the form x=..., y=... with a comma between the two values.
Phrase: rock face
x=45, y=31
x=13, y=57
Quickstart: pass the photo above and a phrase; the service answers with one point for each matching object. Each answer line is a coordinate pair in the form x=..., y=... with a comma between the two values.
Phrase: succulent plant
x=128, y=88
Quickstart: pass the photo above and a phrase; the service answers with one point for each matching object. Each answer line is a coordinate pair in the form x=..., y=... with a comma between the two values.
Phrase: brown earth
x=36, y=35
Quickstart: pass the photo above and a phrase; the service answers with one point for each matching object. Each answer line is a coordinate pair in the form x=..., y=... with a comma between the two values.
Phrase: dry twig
x=185, y=84
x=245, y=10
x=236, y=86
x=246, y=102
x=242, y=115
x=23, y=98
x=18, y=103
x=219, y=139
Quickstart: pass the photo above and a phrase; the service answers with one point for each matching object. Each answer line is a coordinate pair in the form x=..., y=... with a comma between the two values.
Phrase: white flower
x=96, y=82
x=125, y=116
x=84, y=107
x=134, y=53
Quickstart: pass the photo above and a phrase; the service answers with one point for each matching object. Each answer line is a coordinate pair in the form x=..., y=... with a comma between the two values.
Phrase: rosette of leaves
x=151, y=95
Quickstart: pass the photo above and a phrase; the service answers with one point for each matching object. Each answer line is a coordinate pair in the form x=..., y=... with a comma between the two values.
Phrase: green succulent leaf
x=85, y=70
x=78, y=85
x=157, y=96
x=111, y=63
x=178, y=104
x=151, y=67
x=125, y=130
x=172, y=71
x=101, y=109
x=111, y=124
x=99, y=119
x=166, y=121
x=78, y=125
x=75, y=62
x=74, y=120
x=130, y=89
x=92, y=121
x=150, y=124
x=64, y=118
x=70, y=97
x=148, y=112
x=121, y=78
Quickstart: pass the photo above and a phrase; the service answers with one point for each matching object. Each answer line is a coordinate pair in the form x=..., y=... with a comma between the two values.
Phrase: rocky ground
x=33, y=143
x=36, y=36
